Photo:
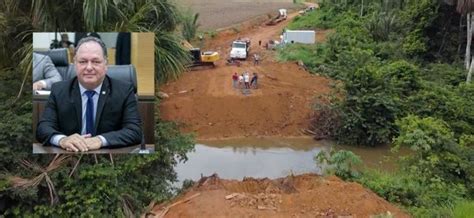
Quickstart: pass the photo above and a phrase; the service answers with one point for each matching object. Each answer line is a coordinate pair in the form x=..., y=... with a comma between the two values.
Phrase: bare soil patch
x=215, y=14
x=305, y=195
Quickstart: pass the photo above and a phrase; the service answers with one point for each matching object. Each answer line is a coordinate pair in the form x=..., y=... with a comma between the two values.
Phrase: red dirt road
x=207, y=104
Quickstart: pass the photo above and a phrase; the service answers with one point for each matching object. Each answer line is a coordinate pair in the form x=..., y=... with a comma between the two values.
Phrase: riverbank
x=275, y=157
x=306, y=195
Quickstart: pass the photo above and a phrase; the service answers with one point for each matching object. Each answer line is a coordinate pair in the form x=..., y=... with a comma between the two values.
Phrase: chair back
x=119, y=72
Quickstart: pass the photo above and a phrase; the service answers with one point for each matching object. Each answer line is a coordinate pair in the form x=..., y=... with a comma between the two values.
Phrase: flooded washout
x=270, y=157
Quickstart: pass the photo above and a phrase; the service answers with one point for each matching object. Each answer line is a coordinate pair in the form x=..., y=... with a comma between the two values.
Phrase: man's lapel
x=104, y=93
x=77, y=103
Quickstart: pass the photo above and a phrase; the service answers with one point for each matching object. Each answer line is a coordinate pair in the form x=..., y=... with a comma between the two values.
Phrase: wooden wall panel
x=143, y=57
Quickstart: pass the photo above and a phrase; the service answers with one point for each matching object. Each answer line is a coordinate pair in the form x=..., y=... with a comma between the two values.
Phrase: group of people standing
x=244, y=81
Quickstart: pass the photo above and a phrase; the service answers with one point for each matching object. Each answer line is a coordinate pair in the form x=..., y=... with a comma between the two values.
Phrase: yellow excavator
x=199, y=58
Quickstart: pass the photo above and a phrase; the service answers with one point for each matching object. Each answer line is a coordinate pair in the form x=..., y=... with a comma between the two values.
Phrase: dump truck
x=282, y=15
x=240, y=49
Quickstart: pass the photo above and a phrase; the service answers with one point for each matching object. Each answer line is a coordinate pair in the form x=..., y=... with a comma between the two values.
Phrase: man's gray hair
x=92, y=39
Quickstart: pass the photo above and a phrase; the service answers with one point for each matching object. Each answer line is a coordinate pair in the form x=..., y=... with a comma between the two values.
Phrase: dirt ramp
x=307, y=195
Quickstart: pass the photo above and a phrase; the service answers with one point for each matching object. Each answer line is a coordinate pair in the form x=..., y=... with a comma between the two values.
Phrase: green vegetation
x=82, y=185
x=189, y=25
x=400, y=80
x=464, y=209
x=318, y=20
x=340, y=163
x=388, y=67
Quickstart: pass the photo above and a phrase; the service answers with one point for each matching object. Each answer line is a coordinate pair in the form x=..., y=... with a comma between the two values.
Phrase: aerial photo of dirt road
x=208, y=105
x=205, y=102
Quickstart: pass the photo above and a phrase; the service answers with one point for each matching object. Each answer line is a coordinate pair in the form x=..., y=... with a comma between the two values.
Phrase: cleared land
x=207, y=104
x=215, y=14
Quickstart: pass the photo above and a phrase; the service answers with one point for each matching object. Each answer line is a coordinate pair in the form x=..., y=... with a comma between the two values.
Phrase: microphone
x=142, y=149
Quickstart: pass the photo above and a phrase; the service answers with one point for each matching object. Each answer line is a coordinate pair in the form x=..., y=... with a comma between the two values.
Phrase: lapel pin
x=103, y=92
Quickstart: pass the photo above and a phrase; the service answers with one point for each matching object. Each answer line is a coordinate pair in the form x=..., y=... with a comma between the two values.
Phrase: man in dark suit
x=92, y=110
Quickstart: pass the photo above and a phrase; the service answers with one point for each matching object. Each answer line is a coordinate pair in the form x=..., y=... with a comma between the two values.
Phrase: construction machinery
x=240, y=49
x=308, y=9
x=282, y=15
x=200, y=58
x=272, y=44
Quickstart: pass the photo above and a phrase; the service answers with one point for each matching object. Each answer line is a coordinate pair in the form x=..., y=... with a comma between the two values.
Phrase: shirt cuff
x=55, y=139
x=45, y=85
x=105, y=143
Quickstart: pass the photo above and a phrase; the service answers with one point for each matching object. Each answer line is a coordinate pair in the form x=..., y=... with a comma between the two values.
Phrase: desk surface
x=40, y=149
x=141, y=98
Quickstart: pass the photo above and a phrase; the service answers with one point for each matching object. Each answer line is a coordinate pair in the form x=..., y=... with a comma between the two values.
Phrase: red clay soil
x=207, y=104
x=305, y=195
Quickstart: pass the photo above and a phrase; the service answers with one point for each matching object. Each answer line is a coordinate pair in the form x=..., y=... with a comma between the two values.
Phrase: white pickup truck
x=240, y=49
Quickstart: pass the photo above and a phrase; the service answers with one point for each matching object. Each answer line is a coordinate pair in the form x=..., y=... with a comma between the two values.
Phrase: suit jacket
x=117, y=118
x=44, y=69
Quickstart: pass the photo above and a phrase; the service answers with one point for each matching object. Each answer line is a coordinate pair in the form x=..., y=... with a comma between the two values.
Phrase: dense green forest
x=400, y=72
x=82, y=185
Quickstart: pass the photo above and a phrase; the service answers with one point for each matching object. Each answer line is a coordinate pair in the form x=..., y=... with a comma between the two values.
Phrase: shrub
x=444, y=74
x=340, y=163
x=403, y=78
x=463, y=209
x=454, y=106
x=381, y=25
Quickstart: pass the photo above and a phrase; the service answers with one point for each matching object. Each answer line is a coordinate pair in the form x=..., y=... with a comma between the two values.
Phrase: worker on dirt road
x=247, y=80
x=253, y=82
x=235, y=78
x=241, y=80
x=256, y=59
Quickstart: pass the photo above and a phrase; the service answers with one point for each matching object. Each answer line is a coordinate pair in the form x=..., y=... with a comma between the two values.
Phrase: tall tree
x=466, y=7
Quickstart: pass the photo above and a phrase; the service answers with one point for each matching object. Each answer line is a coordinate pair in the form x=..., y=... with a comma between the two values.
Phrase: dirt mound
x=305, y=195
x=207, y=104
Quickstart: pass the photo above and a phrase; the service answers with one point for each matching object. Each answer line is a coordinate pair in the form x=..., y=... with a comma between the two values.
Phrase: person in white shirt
x=247, y=80
x=241, y=80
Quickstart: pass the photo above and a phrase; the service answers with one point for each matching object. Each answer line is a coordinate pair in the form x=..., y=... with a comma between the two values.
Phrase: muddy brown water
x=271, y=157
